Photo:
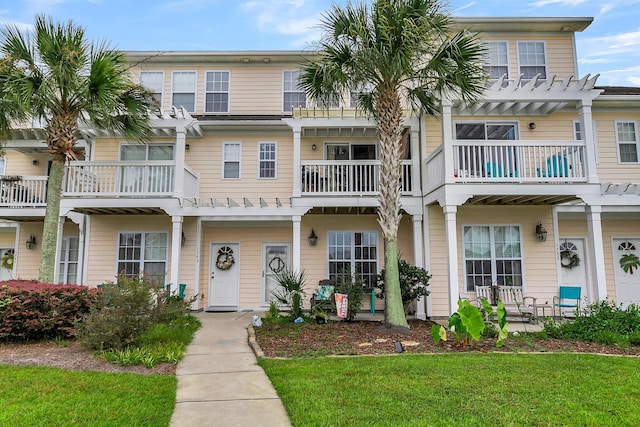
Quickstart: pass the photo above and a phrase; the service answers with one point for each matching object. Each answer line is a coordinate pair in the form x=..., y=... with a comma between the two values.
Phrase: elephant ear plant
x=467, y=324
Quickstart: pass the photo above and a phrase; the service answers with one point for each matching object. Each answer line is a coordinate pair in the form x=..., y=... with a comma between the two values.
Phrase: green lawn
x=42, y=396
x=459, y=390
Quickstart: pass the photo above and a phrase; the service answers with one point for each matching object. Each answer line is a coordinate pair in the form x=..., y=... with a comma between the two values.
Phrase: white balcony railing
x=356, y=177
x=510, y=161
x=23, y=191
x=122, y=178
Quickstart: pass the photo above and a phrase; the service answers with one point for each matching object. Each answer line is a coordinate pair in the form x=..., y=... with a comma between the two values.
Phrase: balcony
x=545, y=162
x=348, y=178
x=23, y=191
x=149, y=179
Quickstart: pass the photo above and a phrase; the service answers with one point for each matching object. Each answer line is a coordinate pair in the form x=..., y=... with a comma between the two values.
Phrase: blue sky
x=609, y=46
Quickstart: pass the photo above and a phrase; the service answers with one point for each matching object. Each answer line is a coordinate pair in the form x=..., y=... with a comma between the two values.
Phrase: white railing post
x=586, y=128
x=178, y=189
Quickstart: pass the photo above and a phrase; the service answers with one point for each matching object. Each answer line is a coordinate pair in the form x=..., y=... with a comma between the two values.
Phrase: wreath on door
x=225, y=260
x=7, y=260
x=569, y=259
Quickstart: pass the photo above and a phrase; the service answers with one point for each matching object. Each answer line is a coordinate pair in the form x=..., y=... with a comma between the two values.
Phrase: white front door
x=6, y=269
x=577, y=275
x=224, y=275
x=627, y=283
x=276, y=258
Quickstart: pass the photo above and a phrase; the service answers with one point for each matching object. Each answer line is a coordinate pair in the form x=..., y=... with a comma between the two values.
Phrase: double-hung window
x=231, y=156
x=267, y=160
x=292, y=95
x=154, y=82
x=143, y=254
x=184, y=90
x=497, y=59
x=627, y=141
x=216, y=92
x=354, y=253
x=68, y=267
x=492, y=255
x=532, y=59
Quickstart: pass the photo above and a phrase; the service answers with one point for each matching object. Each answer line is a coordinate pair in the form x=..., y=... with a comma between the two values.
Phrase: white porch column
x=181, y=135
x=196, y=281
x=418, y=259
x=415, y=162
x=447, y=138
x=297, y=167
x=176, y=246
x=586, y=128
x=596, y=252
x=56, y=266
x=452, y=255
x=296, y=243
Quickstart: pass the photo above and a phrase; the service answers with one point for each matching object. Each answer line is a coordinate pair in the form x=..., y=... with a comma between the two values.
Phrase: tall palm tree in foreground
x=391, y=53
x=52, y=74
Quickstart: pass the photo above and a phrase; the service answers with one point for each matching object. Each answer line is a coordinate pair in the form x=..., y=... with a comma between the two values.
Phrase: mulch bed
x=370, y=338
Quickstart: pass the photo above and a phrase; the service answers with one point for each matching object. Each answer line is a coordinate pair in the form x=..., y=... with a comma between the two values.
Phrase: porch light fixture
x=314, y=147
x=35, y=162
x=313, y=238
x=541, y=233
x=532, y=126
x=187, y=146
x=31, y=243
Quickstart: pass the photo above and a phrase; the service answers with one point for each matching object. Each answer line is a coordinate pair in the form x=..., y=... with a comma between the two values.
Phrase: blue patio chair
x=557, y=166
x=568, y=297
x=494, y=170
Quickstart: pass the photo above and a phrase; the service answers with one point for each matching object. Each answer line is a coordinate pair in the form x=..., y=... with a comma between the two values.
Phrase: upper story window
x=154, y=82
x=292, y=95
x=231, y=156
x=497, y=60
x=216, y=92
x=267, y=160
x=627, y=140
x=532, y=59
x=333, y=102
x=184, y=90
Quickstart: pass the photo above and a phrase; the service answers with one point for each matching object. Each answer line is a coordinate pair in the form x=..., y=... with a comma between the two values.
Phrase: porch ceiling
x=524, y=199
x=119, y=211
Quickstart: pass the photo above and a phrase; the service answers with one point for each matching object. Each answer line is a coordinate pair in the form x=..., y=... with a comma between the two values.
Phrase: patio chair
x=494, y=170
x=322, y=299
x=568, y=298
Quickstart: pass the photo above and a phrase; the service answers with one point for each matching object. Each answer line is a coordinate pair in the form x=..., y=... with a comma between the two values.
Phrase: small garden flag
x=341, y=305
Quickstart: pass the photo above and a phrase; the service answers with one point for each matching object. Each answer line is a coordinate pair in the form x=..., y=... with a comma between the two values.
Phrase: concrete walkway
x=219, y=382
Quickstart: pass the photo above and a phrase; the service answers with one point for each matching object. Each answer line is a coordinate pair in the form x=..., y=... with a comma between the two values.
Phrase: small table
x=544, y=308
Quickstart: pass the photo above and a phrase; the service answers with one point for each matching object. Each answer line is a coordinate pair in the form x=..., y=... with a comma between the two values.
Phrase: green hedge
x=31, y=310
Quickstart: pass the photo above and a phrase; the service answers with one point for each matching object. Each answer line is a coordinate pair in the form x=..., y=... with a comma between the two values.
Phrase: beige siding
x=22, y=164
x=609, y=168
x=28, y=261
x=540, y=272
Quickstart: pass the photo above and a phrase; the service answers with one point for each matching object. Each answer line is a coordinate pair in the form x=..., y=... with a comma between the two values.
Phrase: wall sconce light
x=532, y=126
x=183, y=240
x=541, y=233
x=186, y=147
x=35, y=162
x=314, y=147
x=31, y=243
x=313, y=238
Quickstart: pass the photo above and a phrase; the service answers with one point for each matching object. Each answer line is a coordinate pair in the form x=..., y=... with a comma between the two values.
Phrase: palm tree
x=391, y=53
x=52, y=74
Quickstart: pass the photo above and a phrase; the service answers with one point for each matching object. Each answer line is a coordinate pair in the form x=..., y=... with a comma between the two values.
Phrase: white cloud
x=634, y=80
x=624, y=43
x=20, y=25
x=541, y=3
x=466, y=6
x=285, y=17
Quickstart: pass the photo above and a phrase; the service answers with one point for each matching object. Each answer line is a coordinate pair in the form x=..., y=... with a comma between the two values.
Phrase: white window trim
x=284, y=110
x=546, y=56
x=353, y=260
x=493, y=253
x=64, y=262
x=488, y=122
x=615, y=130
x=162, y=97
x=508, y=64
x=275, y=176
x=595, y=138
x=224, y=144
x=204, y=98
x=350, y=144
x=166, y=260
x=146, y=146
x=195, y=88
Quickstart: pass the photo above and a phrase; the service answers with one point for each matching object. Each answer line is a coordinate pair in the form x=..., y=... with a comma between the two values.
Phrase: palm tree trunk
x=388, y=118
x=51, y=220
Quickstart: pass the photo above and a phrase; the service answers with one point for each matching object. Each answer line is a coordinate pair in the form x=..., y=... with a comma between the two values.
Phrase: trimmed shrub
x=30, y=310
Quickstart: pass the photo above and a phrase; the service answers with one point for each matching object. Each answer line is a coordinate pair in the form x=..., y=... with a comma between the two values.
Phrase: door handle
x=213, y=274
